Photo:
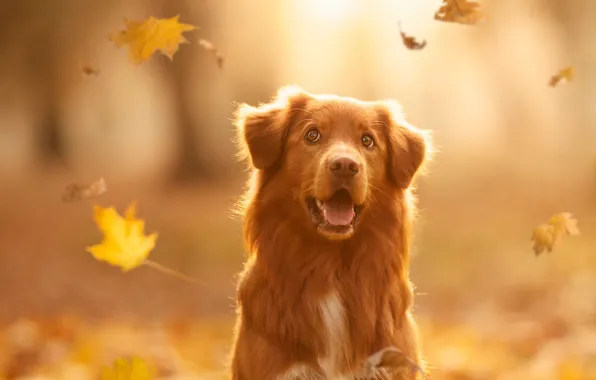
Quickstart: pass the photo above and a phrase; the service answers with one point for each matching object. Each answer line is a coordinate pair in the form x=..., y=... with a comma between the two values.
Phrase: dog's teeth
x=319, y=203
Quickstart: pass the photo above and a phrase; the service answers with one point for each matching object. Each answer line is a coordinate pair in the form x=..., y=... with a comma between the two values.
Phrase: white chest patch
x=334, y=331
x=333, y=313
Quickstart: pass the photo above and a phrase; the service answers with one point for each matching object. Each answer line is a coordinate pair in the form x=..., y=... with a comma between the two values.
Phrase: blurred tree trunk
x=577, y=23
x=50, y=139
x=56, y=33
x=30, y=24
x=573, y=21
x=191, y=163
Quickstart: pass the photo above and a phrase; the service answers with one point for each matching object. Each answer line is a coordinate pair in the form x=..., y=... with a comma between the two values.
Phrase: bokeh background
x=512, y=152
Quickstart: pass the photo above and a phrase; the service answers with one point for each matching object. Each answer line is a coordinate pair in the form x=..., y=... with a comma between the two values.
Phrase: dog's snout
x=344, y=166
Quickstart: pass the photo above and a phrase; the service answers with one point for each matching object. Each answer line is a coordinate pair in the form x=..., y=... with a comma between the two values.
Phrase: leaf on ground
x=570, y=370
x=147, y=37
x=125, y=244
x=409, y=41
x=210, y=47
x=460, y=11
x=74, y=192
x=563, y=76
x=123, y=369
x=19, y=364
x=546, y=235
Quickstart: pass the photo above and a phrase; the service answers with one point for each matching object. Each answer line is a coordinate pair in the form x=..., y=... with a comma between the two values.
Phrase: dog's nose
x=344, y=167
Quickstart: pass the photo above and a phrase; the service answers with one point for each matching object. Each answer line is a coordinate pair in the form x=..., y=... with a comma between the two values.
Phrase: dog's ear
x=408, y=148
x=261, y=131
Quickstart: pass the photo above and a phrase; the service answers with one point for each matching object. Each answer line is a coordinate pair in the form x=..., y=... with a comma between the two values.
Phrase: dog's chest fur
x=334, y=331
x=336, y=337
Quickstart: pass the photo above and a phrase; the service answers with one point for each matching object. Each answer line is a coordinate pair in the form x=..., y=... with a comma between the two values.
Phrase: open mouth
x=335, y=216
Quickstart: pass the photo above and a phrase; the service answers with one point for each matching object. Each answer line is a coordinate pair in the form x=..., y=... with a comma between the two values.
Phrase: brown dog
x=327, y=218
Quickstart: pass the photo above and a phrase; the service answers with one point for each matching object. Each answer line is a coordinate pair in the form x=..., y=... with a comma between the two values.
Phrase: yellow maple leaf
x=125, y=244
x=122, y=369
x=564, y=224
x=562, y=76
x=460, y=11
x=544, y=238
x=147, y=37
x=546, y=235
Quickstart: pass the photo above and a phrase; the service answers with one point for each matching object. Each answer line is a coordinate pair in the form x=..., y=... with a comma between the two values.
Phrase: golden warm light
x=134, y=102
x=330, y=10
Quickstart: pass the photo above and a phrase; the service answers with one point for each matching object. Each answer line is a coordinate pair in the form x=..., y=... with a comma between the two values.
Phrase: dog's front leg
x=256, y=358
x=390, y=363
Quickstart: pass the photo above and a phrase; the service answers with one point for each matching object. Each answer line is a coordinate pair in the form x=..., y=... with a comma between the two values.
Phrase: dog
x=325, y=291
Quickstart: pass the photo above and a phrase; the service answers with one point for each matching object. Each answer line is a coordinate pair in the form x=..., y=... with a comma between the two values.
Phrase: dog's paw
x=391, y=360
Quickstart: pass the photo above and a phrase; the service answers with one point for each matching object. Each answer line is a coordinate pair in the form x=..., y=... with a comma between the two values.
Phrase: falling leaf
x=122, y=369
x=410, y=41
x=74, y=192
x=460, y=11
x=89, y=70
x=563, y=76
x=564, y=224
x=546, y=235
x=544, y=238
x=147, y=37
x=125, y=244
x=208, y=46
x=391, y=359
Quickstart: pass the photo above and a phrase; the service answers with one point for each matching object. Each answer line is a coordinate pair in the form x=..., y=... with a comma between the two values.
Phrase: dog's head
x=331, y=157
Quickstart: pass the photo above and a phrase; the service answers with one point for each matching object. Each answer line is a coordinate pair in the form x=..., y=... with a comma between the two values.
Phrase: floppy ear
x=262, y=131
x=408, y=147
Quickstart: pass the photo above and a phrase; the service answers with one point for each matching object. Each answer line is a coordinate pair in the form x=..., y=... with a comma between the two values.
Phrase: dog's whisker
x=378, y=188
x=376, y=203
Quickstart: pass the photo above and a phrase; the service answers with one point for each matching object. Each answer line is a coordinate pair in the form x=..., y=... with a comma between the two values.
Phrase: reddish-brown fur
x=292, y=267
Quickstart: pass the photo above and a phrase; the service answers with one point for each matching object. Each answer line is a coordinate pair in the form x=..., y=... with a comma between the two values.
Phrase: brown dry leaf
x=460, y=11
x=147, y=37
x=563, y=76
x=89, y=70
x=208, y=46
x=546, y=235
x=74, y=192
x=409, y=41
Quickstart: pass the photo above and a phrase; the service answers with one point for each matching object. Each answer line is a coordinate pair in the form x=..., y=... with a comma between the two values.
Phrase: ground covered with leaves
x=488, y=306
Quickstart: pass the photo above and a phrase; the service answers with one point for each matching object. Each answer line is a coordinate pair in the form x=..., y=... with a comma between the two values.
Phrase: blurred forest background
x=512, y=152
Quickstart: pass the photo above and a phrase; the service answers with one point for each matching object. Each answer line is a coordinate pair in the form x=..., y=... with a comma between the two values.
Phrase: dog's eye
x=312, y=136
x=367, y=141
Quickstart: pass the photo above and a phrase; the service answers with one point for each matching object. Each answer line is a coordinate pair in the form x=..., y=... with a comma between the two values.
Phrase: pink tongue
x=338, y=213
